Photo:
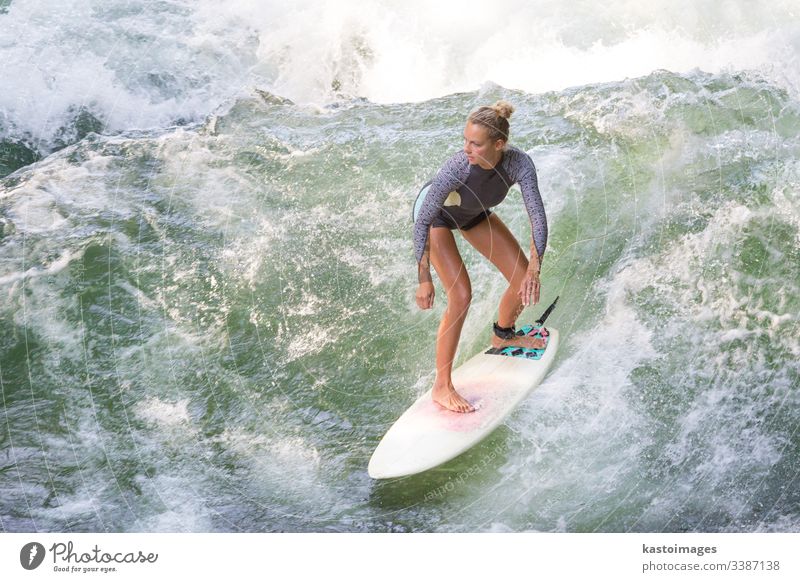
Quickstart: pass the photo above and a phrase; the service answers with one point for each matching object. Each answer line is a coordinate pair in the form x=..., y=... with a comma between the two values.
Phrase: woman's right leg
x=450, y=268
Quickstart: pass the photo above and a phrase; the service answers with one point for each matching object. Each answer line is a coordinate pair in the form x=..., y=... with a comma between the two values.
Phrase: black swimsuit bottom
x=444, y=221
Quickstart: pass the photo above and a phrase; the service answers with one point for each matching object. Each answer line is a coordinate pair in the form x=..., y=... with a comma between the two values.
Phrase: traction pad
x=528, y=353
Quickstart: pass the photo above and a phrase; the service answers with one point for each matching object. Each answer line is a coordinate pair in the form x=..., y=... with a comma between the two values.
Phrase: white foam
x=311, y=340
x=137, y=68
x=582, y=416
x=165, y=414
x=186, y=512
x=281, y=462
x=374, y=50
x=50, y=268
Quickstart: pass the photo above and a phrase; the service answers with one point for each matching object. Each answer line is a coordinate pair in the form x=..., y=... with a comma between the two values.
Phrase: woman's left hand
x=530, y=288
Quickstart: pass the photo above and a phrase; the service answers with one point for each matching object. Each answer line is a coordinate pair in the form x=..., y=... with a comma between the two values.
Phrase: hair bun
x=503, y=108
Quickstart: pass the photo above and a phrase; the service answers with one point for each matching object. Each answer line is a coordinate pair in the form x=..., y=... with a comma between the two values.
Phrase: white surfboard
x=427, y=434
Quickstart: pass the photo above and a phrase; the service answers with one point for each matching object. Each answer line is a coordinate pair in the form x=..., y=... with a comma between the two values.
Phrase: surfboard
x=494, y=381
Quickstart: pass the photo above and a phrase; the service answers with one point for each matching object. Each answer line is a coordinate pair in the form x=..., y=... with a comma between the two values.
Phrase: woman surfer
x=459, y=197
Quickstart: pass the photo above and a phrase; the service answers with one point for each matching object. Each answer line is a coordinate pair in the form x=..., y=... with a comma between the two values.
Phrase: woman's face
x=479, y=149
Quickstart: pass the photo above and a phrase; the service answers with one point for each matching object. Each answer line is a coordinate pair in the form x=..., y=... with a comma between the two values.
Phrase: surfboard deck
x=427, y=434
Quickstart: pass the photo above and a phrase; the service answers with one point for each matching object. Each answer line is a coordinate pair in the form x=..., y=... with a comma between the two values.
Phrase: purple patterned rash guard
x=460, y=192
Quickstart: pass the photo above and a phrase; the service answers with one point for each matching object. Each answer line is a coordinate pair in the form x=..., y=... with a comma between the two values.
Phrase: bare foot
x=519, y=341
x=446, y=395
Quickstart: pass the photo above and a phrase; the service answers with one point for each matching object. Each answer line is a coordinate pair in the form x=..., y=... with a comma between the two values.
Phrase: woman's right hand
x=425, y=294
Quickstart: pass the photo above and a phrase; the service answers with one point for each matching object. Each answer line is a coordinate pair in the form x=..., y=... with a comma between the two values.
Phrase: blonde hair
x=494, y=118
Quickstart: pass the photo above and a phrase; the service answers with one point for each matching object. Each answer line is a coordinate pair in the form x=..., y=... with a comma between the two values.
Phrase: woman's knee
x=459, y=298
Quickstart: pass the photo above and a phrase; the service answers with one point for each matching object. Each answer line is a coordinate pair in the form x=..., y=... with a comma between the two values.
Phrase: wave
x=224, y=313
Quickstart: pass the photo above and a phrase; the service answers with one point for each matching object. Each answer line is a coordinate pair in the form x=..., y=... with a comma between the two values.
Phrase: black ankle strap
x=504, y=332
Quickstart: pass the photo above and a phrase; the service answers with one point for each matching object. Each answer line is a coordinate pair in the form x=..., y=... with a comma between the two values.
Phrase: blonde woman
x=459, y=197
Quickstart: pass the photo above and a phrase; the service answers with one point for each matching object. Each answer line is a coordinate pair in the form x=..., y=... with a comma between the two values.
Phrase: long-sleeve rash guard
x=459, y=176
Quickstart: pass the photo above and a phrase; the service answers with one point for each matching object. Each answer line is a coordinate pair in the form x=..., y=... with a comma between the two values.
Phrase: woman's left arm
x=526, y=178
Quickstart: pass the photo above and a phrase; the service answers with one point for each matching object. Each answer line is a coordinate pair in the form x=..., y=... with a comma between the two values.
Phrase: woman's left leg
x=494, y=241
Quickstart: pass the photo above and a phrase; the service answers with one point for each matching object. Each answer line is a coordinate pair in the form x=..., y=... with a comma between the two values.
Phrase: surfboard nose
x=394, y=458
x=376, y=471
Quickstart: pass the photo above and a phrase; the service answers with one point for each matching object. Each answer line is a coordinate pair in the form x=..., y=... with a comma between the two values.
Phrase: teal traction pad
x=528, y=353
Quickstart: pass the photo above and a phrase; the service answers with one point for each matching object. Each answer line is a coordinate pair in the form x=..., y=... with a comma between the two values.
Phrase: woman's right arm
x=425, y=291
x=425, y=262
x=452, y=175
